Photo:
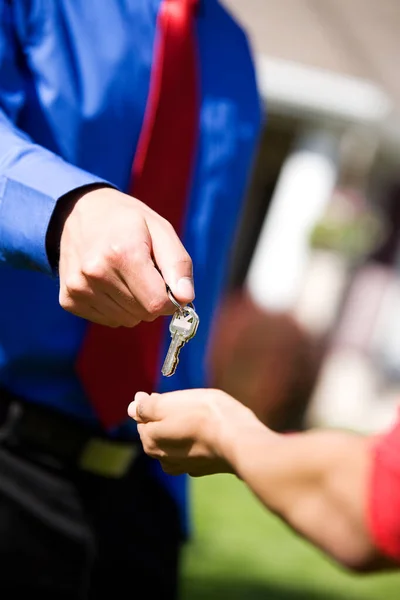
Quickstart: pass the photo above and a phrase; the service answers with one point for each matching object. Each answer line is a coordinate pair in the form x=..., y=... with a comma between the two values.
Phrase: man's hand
x=190, y=431
x=116, y=255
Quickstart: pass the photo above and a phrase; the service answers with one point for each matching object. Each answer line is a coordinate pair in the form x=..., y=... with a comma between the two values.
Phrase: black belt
x=44, y=431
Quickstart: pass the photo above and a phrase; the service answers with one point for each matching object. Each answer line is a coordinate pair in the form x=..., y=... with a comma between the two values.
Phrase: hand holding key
x=183, y=327
x=116, y=255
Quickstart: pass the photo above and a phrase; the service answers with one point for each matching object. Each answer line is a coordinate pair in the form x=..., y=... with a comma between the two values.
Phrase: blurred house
x=353, y=38
x=319, y=236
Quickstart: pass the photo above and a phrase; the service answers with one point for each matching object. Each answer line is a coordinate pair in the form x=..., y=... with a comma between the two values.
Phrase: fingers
x=156, y=407
x=165, y=453
x=141, y=278
x=146, y=408
x=168, y=436
x=174, y=405
x=132, y=408
x=129, y=276
x=150, y=290
x=123, y=295
x=98, y=307
x=172, y=259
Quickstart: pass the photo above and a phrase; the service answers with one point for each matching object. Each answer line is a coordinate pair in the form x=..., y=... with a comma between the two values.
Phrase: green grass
x=241, y=552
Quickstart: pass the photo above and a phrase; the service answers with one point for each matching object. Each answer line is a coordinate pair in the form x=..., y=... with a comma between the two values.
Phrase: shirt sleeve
x=32, y=178
x=384, y=494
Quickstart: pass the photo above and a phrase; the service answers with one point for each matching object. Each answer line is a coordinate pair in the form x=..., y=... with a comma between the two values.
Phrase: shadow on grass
x=195, y=589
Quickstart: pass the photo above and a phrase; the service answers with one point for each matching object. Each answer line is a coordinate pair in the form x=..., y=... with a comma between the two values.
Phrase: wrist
x=235, y=433
x=62, y=210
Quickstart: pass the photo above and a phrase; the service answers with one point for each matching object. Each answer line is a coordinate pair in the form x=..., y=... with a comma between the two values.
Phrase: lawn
x=240, y=552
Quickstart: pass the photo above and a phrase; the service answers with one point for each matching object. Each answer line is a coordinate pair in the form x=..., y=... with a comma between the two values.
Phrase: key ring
x=174, y=300
x=176, y=303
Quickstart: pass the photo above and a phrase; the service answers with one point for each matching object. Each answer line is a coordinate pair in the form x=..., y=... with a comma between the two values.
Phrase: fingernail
x=185, y=288
x=132, y=410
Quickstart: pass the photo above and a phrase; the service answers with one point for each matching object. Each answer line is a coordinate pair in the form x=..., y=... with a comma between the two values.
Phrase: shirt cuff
x=25, y=214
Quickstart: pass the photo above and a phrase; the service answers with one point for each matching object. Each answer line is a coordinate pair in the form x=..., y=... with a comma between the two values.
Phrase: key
x=183, y=328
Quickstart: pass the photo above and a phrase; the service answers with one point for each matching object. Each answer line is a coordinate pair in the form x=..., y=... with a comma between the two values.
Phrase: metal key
x=183, y=327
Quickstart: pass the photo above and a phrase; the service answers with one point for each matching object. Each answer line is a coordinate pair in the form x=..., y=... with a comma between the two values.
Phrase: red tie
x=115, y=363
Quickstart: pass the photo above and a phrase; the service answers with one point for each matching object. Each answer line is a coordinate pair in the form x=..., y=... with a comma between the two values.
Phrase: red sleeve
x=384, y=497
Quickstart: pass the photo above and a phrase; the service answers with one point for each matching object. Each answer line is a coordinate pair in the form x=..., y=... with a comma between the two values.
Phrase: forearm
x=317, y=482
x=32, y=180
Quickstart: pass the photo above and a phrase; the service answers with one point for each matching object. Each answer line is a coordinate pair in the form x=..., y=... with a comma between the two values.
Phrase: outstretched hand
x=189, y=431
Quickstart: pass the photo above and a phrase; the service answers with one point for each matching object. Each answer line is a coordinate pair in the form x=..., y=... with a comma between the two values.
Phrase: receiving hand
x=190, y=431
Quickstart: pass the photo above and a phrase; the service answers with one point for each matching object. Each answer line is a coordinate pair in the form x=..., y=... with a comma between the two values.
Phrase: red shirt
x=384, y=500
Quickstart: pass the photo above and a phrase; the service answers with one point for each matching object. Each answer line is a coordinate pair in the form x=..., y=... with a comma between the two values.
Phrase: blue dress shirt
x=74, y=80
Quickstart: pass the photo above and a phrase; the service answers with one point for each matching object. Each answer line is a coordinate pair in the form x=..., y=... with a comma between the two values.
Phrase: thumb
x=145, y=407
x=173, y=261
x=135, y=408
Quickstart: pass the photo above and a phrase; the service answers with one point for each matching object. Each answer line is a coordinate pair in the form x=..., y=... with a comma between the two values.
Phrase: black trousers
x=69, y=535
